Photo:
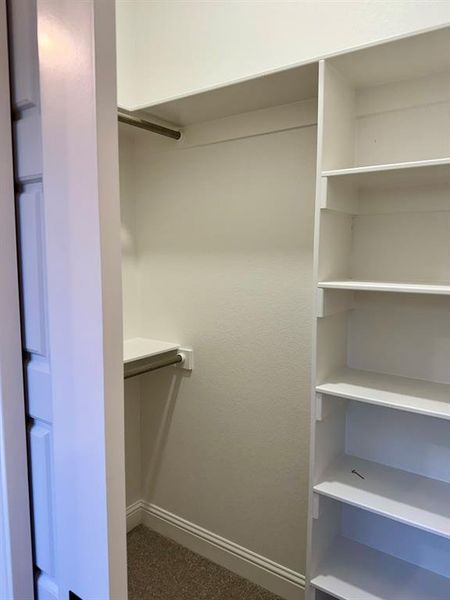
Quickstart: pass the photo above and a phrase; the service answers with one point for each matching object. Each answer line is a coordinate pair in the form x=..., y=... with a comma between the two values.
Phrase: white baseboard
x=134, y=515
x=275, y=577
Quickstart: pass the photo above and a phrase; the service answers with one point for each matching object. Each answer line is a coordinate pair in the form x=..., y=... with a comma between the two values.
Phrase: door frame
x=16, y=563
x=81, y=216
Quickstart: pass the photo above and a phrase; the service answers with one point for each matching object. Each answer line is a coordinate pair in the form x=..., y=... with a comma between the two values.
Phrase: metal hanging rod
x=148, y=125
x=174, y=360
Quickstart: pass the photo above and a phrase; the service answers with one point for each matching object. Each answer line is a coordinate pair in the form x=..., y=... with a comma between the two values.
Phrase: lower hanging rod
x=174, y=360
x=148, y=125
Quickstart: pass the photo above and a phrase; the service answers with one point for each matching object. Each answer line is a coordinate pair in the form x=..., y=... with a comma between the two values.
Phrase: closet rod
x=153, y=127
x=154, y=366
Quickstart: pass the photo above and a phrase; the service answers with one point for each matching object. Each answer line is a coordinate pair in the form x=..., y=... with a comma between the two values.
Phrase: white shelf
x=138, y=348
x=418, y=172
x=277, y=88
x=405, y=497
x=386, y=286
x=400, y=393
x=396, y=60
x=352, y=571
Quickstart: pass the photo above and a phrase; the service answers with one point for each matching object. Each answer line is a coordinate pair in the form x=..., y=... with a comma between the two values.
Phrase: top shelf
x=272, y=89
x=418, y=172
x=396, y=60
x=139, y=348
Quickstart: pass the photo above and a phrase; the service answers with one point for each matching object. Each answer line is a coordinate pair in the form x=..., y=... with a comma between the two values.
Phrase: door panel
x=31, y=242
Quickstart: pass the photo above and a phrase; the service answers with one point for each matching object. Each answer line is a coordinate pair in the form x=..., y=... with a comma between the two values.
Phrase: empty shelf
x=140, y=348
x=400, y=393
x=407, y=173
x=405, y=497
x=353, y=571
x=386, y=286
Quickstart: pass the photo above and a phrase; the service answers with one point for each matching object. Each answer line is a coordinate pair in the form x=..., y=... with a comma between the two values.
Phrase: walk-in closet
x=224, y=300
x=234, y=292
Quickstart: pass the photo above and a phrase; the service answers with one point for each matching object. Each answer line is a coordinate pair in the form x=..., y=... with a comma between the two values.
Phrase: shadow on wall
x=159, y=393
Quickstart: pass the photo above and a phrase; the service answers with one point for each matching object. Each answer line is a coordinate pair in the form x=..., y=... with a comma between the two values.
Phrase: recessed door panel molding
x=28, y=157
x=23, y=57
x=38, y=384
x=42, y=490
x=29, y=217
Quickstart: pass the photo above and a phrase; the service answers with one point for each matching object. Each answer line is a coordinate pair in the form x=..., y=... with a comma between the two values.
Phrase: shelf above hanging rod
x=148, y=125
x=143, y=355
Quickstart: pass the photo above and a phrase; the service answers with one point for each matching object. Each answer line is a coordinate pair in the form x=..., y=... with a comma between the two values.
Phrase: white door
x=67, y=206
x=16, y=573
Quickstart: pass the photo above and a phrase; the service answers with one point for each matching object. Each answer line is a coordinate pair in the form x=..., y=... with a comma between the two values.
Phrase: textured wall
x=224, y=239
x=168, y=48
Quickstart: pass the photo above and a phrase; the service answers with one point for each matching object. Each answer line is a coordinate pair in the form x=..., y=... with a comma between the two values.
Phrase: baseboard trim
x=134, y=515
x=279, y=579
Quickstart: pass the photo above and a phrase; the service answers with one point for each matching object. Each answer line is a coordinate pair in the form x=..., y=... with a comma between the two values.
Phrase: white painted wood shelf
x=405, y=497
x=400, y=393
x=353, y=571
x=386, y=286
x=420, y=172
x=136, y=349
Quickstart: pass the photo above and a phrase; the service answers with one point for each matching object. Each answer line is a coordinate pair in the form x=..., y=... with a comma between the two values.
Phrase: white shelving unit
x=379, y=524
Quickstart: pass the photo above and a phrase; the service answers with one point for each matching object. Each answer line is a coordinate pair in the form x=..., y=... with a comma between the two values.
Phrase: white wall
x=224, y=244
x=168, y=48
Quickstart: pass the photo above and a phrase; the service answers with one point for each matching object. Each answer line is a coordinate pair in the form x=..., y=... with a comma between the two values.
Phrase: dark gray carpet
x=160, y=569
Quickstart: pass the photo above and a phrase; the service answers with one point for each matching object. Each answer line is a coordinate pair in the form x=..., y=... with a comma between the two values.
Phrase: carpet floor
x=160, y=569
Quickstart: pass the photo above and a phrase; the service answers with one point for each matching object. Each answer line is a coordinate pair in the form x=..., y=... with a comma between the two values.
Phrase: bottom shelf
x=353, y=571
